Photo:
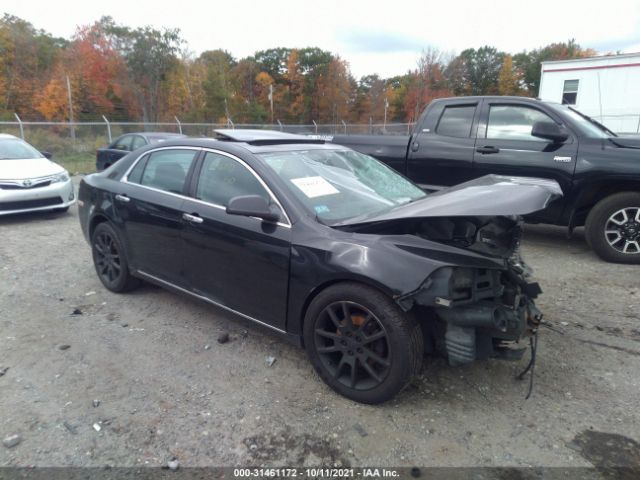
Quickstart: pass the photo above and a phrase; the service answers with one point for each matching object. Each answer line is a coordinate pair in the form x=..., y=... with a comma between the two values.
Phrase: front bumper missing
x=479, y=313
x=481, y=331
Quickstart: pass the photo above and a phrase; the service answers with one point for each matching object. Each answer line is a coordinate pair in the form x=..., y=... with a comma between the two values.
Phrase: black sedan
x=326, y=246
x=107, y=156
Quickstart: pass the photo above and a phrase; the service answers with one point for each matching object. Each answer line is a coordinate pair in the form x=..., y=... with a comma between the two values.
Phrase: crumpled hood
x=491, y=195
x=28, y=168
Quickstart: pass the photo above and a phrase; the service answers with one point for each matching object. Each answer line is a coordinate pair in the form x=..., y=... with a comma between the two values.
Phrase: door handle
x=192, y=218
x=123, y=198
x=415, y=146
x=487, y=149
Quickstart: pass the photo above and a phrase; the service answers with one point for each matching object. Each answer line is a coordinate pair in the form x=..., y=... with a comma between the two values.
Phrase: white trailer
x=606, y=88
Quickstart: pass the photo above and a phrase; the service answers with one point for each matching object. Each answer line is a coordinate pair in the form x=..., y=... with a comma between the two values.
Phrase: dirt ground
x=165, y=388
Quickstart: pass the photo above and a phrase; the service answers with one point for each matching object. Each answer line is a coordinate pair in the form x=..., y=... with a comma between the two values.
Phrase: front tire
x=613, y=228
x=361, y=343
x=110, y=260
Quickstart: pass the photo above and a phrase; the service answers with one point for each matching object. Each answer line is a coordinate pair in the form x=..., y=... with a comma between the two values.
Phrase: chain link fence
x=74, y=144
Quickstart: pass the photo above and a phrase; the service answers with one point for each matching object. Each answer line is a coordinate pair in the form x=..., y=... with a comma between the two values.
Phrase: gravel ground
x=139, y=379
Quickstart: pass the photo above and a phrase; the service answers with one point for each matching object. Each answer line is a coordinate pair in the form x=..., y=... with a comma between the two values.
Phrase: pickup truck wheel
x=613, y=228
x=110, y=260
x=361, y=343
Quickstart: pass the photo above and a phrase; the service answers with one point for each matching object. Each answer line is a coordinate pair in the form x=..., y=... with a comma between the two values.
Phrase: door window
x=456, y=121
x=138, y=142
x=511, y=122
x=122, y=143
x=165, y=170
x=223, y=178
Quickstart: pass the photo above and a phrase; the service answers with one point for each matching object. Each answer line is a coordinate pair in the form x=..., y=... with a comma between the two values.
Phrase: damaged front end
x=478, y=299
x=471, y=314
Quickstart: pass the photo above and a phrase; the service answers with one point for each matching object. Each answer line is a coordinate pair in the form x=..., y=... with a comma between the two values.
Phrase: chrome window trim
x=125, y=179
x=207, y=299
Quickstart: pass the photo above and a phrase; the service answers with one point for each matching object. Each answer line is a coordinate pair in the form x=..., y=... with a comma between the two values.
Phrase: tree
x=273, y=61
x=149, y=55
x=216, y=84
x=26, y=58
x=509, y=78
x=333, y=93
x=530, y=62
x=95, y=72
x=296, y=87
x=478, y=71
x=425, y=83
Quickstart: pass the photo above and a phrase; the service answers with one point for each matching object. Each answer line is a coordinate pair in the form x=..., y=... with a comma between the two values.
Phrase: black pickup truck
x=459, y=139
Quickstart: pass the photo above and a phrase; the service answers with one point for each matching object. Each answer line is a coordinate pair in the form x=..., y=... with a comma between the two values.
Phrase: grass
x=76, y=162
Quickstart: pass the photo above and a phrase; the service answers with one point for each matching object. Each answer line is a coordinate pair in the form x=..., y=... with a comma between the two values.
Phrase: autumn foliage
x=148, y=74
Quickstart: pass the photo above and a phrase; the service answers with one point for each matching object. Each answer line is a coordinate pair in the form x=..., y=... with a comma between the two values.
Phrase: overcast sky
x=374, y=37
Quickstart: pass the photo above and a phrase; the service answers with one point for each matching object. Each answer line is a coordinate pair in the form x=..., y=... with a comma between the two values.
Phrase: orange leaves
x=509, y=78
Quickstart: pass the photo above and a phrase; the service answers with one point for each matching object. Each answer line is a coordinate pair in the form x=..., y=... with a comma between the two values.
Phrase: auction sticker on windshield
x=314, y=187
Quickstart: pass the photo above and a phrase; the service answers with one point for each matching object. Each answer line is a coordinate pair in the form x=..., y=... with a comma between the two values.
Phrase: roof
x=264, y=137
x=256, y=146
x=157, y=134
x=7, y=135
x=622, y=56
x=463, y=99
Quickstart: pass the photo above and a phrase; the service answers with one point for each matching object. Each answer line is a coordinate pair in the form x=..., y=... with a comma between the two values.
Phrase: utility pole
x=226, y=109
x=386, y=106
x=271, y=100
x=71, y=125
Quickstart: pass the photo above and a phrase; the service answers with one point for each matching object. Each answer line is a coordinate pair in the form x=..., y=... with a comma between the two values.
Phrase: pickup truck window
x=456, y=121
x=511, y=122
x=122, y=143
x=137, y=142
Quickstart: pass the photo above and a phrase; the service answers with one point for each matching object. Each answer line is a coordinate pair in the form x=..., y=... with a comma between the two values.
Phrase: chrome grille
x=27, y=183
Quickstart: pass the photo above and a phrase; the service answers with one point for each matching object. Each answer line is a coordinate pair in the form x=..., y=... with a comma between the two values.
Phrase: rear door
x=441, y=151
x=150, y=206
x=505, y=146
x=241, y=263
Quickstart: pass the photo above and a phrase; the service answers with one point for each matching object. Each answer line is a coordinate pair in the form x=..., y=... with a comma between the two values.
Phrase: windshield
x=14, y=149
x=585, y=124
x=339, y=184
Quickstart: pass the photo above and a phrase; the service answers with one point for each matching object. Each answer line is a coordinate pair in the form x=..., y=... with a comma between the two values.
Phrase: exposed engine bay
x=470, y=313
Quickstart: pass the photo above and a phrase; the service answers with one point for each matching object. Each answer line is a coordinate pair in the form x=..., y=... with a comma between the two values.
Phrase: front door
x=505, y=146
x=239, y=262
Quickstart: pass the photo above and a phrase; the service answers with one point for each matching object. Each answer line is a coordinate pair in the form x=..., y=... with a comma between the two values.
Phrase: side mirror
x=550, y=131
x=47, y=155
x=253, y=206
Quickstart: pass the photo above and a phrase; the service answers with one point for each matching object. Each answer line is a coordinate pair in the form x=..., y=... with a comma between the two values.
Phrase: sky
x=373, y=37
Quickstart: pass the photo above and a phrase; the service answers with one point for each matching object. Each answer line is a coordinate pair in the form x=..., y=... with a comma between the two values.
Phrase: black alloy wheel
x=353, y=345
x=110, y=260
x=361, y=343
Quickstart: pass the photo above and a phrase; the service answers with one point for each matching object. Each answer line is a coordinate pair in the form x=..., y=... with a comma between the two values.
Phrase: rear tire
x=361, y=343
x=613, y=228
x=110, y=260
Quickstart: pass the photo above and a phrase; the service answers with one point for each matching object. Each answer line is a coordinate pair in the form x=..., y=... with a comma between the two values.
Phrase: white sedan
x=29, y=181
